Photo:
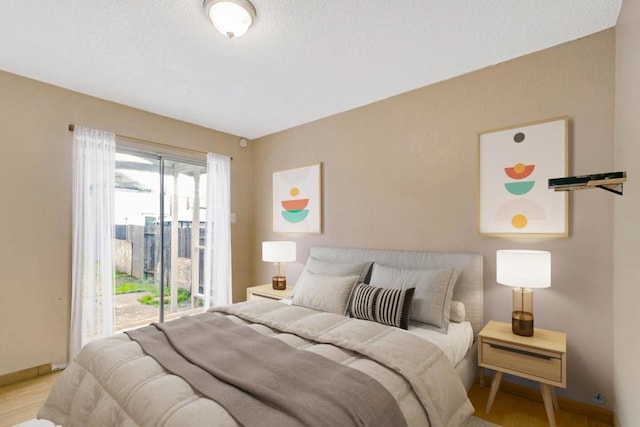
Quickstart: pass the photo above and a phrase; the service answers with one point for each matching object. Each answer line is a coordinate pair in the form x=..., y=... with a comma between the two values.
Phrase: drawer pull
x=524, y=352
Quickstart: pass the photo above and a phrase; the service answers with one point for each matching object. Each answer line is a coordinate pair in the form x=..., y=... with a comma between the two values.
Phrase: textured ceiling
x=301, y=61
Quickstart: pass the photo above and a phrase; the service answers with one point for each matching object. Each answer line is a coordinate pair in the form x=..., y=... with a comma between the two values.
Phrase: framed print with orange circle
x=515, y=164
x=297, y=204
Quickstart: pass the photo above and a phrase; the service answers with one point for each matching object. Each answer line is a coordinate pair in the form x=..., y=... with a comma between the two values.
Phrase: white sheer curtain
x=92, y=305
x=217, y=252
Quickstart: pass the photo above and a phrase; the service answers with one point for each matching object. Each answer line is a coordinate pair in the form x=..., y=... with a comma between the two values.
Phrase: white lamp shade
x=278, y=251
x=230, y=17
x=523, y=268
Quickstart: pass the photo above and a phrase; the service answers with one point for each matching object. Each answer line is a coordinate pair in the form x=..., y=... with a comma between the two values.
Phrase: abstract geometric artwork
x=515, y=164
x=297, y=200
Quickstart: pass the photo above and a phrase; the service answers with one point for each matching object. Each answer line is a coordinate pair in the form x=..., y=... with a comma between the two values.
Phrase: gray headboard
x=468, y=288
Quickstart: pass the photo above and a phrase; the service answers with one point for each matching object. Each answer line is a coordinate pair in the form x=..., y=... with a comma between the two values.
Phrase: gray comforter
x=112, y=382
x=260, y=380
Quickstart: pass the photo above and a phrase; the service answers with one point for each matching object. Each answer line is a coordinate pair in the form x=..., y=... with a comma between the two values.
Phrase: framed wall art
x=297, y=204
x=515, y=164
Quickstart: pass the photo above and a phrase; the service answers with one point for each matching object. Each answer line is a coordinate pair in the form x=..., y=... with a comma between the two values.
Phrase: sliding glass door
x=160, y=213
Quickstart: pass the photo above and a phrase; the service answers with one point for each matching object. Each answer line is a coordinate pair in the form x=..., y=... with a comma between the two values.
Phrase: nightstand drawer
x=266, y=292
x=521, y=359
x=256, y=297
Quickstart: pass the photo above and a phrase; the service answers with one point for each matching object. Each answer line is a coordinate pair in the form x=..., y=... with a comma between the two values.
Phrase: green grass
x=154, y=300
x=128, y=287
x=126, y=284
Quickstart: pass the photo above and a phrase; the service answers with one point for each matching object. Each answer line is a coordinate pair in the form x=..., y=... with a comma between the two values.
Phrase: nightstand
x=263, y=292
x=541, y=358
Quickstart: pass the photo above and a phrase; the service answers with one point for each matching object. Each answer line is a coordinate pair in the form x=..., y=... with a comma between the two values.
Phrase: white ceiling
x=302, y=59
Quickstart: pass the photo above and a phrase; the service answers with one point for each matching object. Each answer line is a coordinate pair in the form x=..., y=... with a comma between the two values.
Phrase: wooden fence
x=137, y=248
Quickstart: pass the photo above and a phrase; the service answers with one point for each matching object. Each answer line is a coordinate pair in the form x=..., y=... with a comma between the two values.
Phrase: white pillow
x=458, y=311
x=434, y=288
x=324, y=293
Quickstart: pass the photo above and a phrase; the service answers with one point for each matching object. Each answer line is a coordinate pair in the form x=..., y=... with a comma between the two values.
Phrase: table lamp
x=523, y=269
x=278, y=253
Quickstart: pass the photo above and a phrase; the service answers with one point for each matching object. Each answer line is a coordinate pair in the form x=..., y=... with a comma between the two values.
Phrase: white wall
x=626, y=291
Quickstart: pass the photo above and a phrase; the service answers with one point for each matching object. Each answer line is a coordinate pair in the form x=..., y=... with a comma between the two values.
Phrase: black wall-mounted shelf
x=611, y=181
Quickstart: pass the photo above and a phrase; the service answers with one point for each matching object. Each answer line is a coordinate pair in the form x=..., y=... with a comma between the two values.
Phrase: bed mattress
x=454, y=344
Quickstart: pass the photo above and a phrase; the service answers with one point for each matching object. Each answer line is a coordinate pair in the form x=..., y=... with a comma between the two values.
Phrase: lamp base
x=279, y=283
x=522, y=323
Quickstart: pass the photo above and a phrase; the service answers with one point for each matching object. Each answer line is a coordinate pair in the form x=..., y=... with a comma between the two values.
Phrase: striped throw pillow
x=386, y=306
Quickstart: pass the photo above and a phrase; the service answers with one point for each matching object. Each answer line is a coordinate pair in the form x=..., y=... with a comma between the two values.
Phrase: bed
x=329, y=358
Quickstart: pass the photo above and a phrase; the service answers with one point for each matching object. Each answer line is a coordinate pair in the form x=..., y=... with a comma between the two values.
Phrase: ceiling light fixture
x=230, y=17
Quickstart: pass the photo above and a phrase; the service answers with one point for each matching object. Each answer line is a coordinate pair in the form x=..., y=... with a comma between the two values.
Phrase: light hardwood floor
x=20, y=402
x=510, y=410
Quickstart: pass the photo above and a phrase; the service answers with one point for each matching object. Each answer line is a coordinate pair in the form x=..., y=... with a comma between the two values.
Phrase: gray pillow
x=332, y=268
x=434, y=288
x=324, y=293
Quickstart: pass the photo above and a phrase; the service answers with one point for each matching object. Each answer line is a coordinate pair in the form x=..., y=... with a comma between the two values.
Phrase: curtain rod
x=72, y=128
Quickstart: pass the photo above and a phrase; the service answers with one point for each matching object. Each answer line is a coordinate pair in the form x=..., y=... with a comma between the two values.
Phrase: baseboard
x=25, y=374
x=593, y=412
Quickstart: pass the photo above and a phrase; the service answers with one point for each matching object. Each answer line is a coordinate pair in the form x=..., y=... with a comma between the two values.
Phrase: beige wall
x=35, y=214
x=402, y=173
x=626, y=290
